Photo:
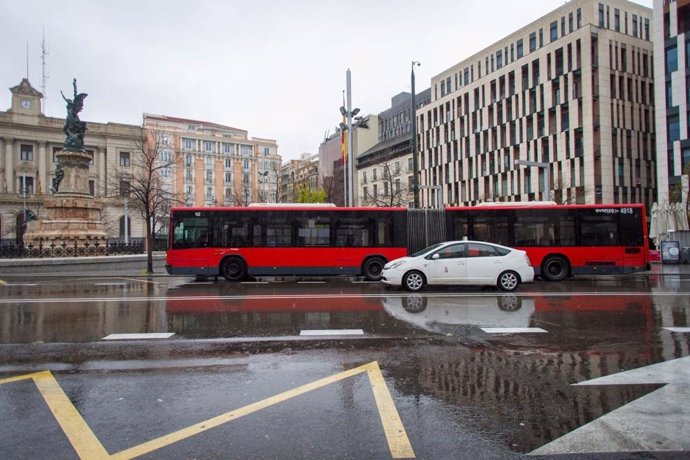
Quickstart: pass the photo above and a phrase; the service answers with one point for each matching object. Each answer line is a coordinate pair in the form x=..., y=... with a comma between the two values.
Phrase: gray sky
x=275, y=68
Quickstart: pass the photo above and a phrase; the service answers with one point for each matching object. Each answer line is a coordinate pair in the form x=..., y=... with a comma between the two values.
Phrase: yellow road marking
x=73, y=425
x=398, y=442
x=88, y=446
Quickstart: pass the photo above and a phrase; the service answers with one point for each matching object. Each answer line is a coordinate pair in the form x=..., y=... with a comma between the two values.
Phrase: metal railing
x=74, y=248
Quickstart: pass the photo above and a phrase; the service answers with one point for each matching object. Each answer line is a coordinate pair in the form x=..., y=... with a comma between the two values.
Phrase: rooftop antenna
x=27, y=59
x=44, y=76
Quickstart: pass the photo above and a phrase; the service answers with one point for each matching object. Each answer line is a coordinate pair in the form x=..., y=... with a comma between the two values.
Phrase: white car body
x=475, y=263
x=442, y=314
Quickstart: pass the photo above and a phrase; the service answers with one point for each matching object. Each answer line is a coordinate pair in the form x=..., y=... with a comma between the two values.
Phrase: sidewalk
x=131, y=265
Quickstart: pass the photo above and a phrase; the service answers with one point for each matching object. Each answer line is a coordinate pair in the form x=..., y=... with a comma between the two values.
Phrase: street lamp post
x=547, y=179
x=262, y=177
x=415, y=161
x=349, y=112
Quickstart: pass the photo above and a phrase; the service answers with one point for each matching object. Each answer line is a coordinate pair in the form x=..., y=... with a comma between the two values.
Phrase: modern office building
x=672, y=93
x=28, y=143
x=561, y=109
x=216, y=165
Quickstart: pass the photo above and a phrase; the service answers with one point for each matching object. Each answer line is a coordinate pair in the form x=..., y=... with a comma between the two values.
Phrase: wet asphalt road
x=342, y=370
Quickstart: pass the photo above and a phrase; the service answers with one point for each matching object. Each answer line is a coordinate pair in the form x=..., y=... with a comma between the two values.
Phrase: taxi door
x=448, y=265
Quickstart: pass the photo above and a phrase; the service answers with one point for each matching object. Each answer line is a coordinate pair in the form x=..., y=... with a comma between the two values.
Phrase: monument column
x=74, y=217
x=8, y=185
x=42, y=162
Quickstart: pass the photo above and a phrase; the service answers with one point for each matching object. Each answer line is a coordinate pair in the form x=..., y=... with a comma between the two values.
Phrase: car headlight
x=395, y=265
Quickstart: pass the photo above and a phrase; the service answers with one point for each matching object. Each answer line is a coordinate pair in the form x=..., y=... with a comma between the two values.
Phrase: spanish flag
x=343, y=135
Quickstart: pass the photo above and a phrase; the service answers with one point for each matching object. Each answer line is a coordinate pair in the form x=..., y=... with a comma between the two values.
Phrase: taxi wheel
x=233, y=269
x=508, y=281
x=414, y=281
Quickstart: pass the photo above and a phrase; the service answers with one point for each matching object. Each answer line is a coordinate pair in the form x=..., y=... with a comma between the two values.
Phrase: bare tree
x=396, y=192
x=144, y=184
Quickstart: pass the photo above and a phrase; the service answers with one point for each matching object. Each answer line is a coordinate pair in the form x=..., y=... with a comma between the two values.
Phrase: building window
x=92, y=187
x=554, y=31
x=208, y=146
x=124, y=159
x=26, y=152
x=671, y=59
x=128, y=221
x=188, y=144
x=519, y=48
x=616, y=20
x=602, y=22
x=124, y=188
x=26, y=185
x=673, y=122
x=532, y=41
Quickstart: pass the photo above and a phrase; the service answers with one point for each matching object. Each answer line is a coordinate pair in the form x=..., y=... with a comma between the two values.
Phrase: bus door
x=191, y=231
x=635, y=252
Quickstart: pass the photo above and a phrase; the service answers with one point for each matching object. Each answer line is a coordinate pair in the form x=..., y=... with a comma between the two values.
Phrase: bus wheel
x=373, y=268
x=555, y=268
x=413, y=281
x=508, y=281
x=233, y=269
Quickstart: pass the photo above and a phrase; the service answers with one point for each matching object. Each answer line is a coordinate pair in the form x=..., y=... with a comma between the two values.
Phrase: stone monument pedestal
x=74, y=216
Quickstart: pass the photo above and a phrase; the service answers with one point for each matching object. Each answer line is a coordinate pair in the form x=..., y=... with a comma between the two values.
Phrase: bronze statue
x=74, y=129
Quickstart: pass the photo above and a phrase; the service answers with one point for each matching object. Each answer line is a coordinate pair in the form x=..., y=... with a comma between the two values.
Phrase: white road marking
x=512, y=330
x=139, y=336
x=681, y=330
x=655, y=422
x=330, y=296
x=330, y=332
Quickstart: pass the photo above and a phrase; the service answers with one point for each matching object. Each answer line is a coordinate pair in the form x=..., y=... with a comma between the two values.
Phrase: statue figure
x=59, y=174
x=74, y=129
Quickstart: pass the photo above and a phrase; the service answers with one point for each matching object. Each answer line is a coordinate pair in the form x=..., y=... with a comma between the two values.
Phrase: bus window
x=599, y=230
x=351, y=234
x=190, y=232
x=278, y=233
x=313, y=232
x=491, y=228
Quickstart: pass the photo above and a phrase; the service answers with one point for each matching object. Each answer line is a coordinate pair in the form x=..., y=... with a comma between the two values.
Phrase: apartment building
x=215, y=165
x=384, y=171
x=28, y=143
x=296, y=175
x=561, y=109
x=671, y=28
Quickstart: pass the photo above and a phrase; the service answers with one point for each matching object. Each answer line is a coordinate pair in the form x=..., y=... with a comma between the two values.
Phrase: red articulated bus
x=275, y=240
x=318, y=240
x=561, y=240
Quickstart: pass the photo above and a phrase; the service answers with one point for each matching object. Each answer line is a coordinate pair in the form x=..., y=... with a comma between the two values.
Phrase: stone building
x=299, y=174
x=571, y=93
x=216, y=165
x=28, y=143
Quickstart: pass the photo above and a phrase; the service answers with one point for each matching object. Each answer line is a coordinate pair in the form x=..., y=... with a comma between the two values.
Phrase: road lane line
x=512, y=330
x=139, y=336
x=84, y=441
x=396, y=430
x=322, y=296
x=331, y=332
x=398, y=442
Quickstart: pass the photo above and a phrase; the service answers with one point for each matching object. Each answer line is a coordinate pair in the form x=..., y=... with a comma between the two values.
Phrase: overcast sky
x=275, y=68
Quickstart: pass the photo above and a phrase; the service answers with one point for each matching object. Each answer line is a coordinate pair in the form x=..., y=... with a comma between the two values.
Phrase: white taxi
x=461, y=262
